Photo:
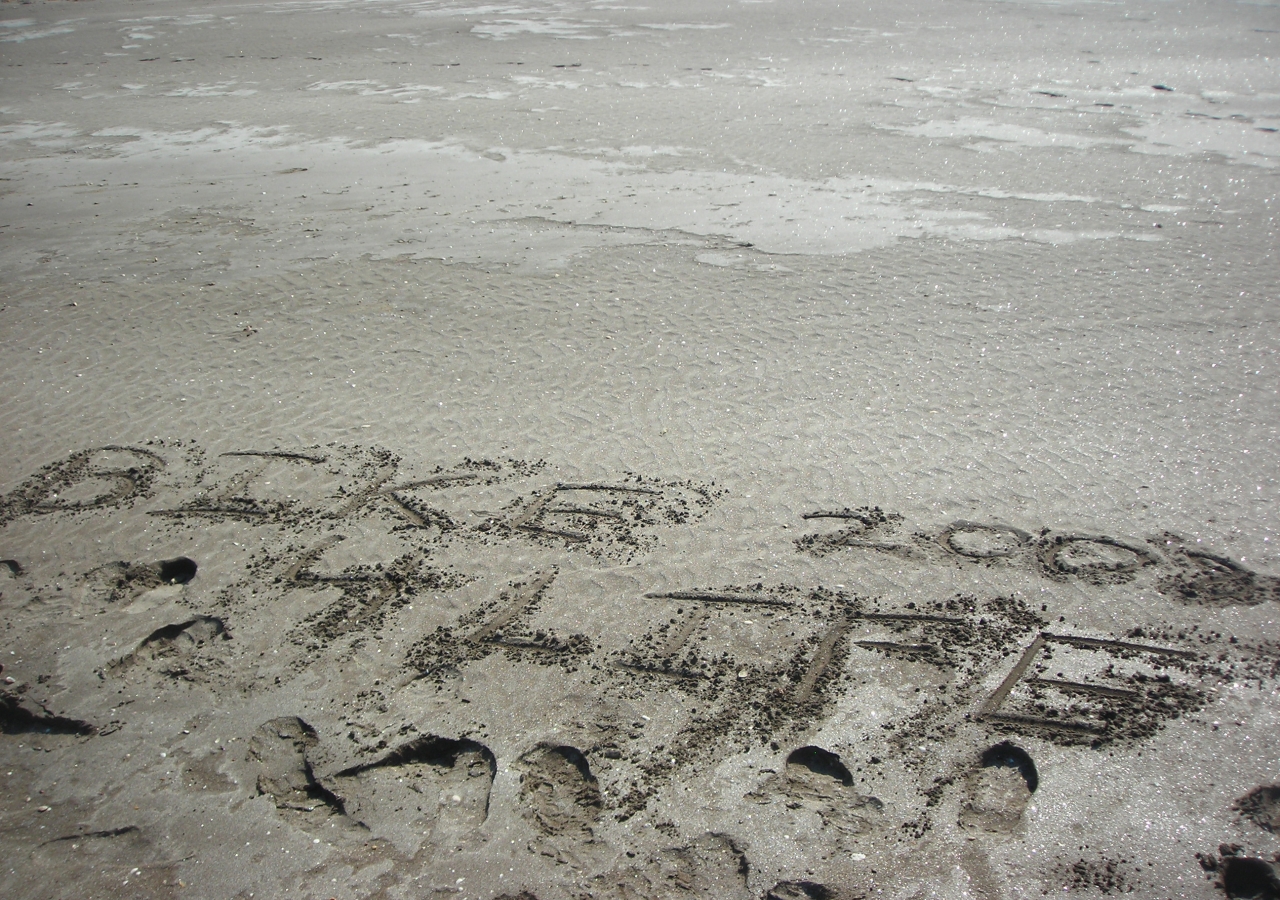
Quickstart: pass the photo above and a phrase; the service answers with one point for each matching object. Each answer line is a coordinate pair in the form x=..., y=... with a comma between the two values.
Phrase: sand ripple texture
x=570, y=449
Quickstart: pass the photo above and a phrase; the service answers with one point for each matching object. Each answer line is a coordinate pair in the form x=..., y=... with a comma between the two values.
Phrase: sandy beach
x=558, y=450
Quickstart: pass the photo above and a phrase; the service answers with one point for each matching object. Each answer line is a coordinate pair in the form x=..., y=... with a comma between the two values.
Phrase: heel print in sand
x=710, y=867
x=184, y=652
x=816, y=779
x=431, y=788
x=563, y=800
x=998, y=792
x=279, y=749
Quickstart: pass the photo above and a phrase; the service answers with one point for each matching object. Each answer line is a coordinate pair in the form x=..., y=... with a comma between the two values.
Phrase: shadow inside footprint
x=999, y=791
x=812, y=768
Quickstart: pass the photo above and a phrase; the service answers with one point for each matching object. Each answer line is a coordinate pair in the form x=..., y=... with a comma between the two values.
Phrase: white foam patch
x=986, y=130
x=369, y=88
x=220, y=89
x=684, y=26
x=451, y=200
x=507, y=29
x=41, y=134
x=17, y=30
x=1240, y=142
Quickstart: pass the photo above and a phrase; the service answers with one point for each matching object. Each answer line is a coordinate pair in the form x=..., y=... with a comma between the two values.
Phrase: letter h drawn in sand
x=1077, y=689
x=368, y=593
x=843, y=623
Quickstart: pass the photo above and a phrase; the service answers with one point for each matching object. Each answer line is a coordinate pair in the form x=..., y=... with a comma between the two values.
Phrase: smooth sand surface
x=639, y=450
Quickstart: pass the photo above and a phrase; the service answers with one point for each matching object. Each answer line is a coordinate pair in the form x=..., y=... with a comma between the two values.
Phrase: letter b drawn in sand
x=1074, y=689
x=87, y=479
x=237, y=471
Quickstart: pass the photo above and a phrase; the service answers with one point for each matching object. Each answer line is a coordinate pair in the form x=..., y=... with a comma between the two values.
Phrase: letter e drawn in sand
x=614, y=520
x=1114, y=690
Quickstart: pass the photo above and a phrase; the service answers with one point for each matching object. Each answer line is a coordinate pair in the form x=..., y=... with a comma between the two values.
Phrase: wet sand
x=718, y=450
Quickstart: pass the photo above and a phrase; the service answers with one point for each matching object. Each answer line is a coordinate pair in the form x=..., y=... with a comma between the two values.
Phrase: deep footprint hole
x=179, y=570
x=1010, y=756
x=821, y=762
x=1253, y=879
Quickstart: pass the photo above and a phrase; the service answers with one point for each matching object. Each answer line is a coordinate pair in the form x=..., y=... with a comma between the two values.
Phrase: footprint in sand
x=87, y=863
x=810, y=890
x=562, y=799
x=815, y=779
x=1261, y=806
x=711, y=867
x=279, y=749
x=180, y=652
x=118, y=581
x=431, y=787
x=998, y=792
